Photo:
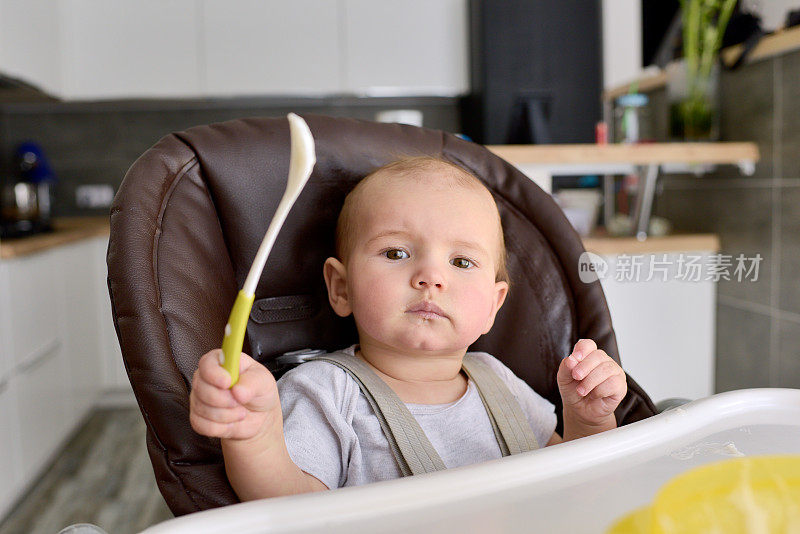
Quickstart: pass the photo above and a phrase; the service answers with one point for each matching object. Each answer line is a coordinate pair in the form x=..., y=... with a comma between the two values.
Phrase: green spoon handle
x=234, y=334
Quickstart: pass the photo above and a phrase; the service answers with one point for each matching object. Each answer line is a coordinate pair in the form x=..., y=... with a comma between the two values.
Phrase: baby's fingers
x=256, y=389
x=599, y=374
x=586, y=363
x=212, y=421
x=612, y=388
x=212, y=395
x=211, y=371
x=216, y=413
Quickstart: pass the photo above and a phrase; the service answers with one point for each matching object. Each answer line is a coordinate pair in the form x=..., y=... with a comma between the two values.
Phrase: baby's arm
x=592, y=385
x=248, y=419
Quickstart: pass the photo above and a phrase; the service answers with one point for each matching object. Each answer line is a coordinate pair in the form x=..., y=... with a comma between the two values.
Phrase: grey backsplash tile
x=790, y=125
x=746, y=98
x=96, y=142
x=743, y=349
x=789, y=352
x=659, y=114
x=99, y=172
x=741, y=217
x=789, y=277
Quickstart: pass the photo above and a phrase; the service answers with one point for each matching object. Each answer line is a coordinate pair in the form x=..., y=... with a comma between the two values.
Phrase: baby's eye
x=462, y=263
x=396, y=254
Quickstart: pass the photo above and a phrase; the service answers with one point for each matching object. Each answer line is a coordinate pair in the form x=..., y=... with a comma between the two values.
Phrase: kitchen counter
x=66, y=230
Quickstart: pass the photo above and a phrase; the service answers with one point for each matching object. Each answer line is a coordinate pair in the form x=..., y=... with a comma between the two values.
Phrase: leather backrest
x=190, y=214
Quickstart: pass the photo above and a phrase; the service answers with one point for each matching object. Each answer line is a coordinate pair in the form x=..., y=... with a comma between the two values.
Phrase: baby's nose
x=428, y=278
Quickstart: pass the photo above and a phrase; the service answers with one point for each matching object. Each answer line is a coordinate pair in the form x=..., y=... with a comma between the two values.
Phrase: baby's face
x=421, y=270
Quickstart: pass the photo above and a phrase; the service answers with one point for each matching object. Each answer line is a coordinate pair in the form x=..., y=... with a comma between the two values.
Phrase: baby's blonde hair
x=346, y=225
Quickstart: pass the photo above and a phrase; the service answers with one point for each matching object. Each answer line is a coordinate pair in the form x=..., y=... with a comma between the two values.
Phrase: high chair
x=191, y=213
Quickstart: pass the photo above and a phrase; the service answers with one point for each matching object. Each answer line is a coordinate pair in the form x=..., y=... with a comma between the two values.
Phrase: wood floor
x=103, y=476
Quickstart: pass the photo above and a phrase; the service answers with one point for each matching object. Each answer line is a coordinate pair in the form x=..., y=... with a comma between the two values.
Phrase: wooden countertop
x=73, y=229
x=636, y=154
x=66, y=230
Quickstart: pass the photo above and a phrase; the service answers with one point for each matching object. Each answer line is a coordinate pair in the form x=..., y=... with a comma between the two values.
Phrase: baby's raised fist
x=591, y=383
x=240, y=412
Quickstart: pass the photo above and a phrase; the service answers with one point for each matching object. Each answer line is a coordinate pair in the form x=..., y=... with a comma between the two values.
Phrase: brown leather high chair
x=187, y=221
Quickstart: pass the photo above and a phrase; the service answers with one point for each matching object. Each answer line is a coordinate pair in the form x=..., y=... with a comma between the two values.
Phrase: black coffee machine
x=26, y=193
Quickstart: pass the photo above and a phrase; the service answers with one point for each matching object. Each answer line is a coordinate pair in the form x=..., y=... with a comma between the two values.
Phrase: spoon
x=300, y=166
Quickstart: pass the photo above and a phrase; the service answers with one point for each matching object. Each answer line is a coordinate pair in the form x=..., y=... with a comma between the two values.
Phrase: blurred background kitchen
x=86, y=86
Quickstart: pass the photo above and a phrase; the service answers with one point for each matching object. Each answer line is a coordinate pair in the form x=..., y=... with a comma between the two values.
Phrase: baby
x=421, y=266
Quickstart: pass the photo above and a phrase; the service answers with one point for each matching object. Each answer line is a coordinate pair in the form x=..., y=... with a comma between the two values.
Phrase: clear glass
x=693, y=104
x=632, y=122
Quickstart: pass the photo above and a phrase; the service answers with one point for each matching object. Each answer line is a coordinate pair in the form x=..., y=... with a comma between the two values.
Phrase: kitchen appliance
x=26, y=194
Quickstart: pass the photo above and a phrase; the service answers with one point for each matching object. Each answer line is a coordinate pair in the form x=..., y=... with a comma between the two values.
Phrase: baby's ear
x=500, y=292
x=335, y=275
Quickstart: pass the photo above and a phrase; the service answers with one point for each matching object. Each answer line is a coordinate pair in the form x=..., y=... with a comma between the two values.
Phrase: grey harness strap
x=410, y=446
x=511, y=427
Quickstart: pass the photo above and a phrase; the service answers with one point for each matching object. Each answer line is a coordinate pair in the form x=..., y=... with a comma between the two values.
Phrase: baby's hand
x=591, y=384
x=241, y=412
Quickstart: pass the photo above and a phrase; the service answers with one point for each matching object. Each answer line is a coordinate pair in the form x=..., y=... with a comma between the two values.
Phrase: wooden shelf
x=641, y=154
x=605, y=245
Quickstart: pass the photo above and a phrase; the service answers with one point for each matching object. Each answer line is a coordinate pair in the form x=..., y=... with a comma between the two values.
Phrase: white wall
x=772, y=12
x=622, y=41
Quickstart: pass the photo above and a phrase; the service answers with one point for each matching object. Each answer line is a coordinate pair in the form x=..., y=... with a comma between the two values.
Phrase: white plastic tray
x=580, y=486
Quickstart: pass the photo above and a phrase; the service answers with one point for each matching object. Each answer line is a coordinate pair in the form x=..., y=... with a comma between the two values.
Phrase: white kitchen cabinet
x=6, y=359
x=10, y=468
x=119, y=48
x=409, y=47
x=29, y=41
x=79, y=278
x=257, y=47
x=100, y=49
x=43, y=408
x=665, y=326
x=114, y=375
x=58, y=354
x=31, y=304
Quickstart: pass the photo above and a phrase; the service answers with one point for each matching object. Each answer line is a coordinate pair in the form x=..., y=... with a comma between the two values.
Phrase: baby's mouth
x=426, y=310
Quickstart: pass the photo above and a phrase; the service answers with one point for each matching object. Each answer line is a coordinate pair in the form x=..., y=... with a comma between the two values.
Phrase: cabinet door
x=32, y=306
x=29, y=43
x=118, y=48
x=408, y=47
x=80, y=284
x=43, y=412
x=6, y=358
x=271, y=47
x=10, y=473
x=114, y=375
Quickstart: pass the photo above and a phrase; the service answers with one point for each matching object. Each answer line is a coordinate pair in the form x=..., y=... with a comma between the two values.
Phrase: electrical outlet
x=94, y=196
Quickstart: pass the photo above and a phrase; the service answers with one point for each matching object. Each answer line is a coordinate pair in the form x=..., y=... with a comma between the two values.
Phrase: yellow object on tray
x=753, y=495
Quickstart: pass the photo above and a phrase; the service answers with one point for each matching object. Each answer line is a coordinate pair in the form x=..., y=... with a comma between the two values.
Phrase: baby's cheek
x=369, y=306
x=479, y=305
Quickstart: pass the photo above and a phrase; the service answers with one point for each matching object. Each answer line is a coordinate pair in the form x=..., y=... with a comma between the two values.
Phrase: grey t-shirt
x=333, y=434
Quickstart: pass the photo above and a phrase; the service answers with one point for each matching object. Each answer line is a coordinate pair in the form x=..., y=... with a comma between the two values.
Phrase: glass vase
x=693, y=103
